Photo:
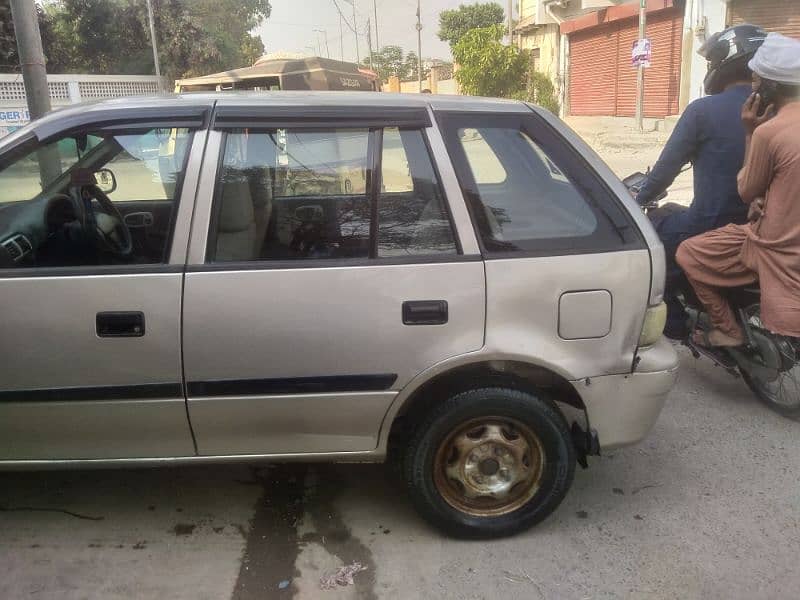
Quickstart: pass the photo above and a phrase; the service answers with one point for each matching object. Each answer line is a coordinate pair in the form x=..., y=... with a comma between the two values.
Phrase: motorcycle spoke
x=792, y=398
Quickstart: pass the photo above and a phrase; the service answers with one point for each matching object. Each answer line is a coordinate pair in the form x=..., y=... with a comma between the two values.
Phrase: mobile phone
x=768, y=92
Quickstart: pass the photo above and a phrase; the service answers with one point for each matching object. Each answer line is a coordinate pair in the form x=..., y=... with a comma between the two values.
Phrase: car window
x=28, y=176
x=536, y=201
x=549, y=201
x=412, y=217
x=146, y=167
x=486, y=167
x=289, y=194
x=286, y=194
x=51, y=213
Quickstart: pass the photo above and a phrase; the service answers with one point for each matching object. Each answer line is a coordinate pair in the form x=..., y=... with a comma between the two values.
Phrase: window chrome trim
x=454, y=197
x=187, y=198
x=204, y=199
x=333, y=263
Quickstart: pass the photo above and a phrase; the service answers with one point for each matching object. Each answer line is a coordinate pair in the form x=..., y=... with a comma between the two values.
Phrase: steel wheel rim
x=489, y=466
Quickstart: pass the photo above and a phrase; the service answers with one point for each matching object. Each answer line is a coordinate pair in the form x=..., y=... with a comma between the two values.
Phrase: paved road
x=707, y=507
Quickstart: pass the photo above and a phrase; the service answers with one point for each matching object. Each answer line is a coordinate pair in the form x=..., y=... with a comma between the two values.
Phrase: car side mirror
x=106, y=180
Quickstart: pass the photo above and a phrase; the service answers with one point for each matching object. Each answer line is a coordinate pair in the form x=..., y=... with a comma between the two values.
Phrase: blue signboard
x=12, y=119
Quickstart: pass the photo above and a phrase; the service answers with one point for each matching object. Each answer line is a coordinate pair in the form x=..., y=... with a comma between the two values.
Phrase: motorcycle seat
x=744, y=296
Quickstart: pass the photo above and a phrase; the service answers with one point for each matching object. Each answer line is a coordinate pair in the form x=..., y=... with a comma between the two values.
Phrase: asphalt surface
x=707, y=507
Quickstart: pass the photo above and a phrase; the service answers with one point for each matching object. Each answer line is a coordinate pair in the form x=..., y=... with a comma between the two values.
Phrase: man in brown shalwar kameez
x=767, y=250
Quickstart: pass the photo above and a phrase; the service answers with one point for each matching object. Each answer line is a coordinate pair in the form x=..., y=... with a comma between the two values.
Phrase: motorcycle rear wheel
x=783, y=394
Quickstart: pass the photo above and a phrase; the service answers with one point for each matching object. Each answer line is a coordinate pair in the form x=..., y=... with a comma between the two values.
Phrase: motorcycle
x=768, y=363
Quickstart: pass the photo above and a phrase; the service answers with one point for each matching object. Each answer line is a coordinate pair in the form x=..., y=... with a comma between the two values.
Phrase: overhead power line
x=341, y=14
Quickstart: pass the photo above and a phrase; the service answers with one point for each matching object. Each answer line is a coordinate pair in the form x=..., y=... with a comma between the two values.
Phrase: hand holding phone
x=755, y=112
x=767, y=91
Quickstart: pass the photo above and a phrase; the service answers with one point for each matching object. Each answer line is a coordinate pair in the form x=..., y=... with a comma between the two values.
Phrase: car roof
x=194, y=105
x=292, y=98
x=367, y=99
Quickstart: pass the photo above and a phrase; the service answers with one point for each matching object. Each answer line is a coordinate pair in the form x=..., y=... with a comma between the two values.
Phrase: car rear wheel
x=490, y=462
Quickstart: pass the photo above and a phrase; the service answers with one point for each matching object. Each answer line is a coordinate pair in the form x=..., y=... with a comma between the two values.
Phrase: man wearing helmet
x=766, y=250
x=709, y=135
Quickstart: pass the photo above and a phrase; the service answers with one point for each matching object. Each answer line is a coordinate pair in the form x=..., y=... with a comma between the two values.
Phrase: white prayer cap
x=778, y=59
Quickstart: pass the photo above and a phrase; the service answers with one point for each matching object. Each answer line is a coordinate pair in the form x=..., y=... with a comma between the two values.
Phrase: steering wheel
x=108, y=226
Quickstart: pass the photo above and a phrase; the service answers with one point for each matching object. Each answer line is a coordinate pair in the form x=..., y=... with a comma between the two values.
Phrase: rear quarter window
x=529, y=191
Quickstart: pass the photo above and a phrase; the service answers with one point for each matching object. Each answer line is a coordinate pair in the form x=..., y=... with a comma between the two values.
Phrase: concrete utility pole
x=377, y=39
x=155, y=46
x=640, y=73
x=34, y=77
x=31, y=56
x=419, y=47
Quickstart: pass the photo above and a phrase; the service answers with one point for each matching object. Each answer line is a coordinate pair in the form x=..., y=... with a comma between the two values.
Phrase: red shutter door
x=662, y=83
x=593, y=70
x=602, y=80
x=626, y=73
x=782, y=16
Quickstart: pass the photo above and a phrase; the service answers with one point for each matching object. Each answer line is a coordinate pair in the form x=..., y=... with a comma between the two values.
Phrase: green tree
x=487, y=67
x=229, y=23
x=388, y=61
x=538, y=90
x=97, y=36
x=195, y=37
x=9, y=61
x=412, y=64
x=455, y=23
x=9, y=58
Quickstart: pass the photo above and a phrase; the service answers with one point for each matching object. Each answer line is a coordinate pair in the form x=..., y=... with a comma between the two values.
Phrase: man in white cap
x=767, y=249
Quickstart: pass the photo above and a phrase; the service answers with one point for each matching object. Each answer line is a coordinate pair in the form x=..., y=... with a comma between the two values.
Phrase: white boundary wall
x=65, y=90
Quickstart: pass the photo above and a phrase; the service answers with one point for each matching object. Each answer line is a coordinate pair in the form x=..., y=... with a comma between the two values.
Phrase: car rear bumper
x=622, y=409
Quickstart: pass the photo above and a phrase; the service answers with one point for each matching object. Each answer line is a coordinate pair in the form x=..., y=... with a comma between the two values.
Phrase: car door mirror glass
x=106, y=180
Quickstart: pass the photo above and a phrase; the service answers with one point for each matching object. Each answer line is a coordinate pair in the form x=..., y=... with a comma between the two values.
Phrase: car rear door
x=91, y=343
x=325, y=274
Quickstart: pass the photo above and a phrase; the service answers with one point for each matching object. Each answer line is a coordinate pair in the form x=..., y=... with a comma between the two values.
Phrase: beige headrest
x=237, y=206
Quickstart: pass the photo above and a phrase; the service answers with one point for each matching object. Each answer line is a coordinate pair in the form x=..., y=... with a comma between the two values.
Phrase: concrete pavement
x=707, y=507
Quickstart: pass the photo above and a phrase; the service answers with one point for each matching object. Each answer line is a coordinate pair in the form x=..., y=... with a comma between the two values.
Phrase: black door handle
x=138, y=219
x=425, y=312
x=120, y=324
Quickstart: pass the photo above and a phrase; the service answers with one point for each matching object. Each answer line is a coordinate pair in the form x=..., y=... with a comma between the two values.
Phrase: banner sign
x=12, y=119
x=641, y=53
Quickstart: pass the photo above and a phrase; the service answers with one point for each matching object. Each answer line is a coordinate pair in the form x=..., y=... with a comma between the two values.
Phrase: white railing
x=67, y=89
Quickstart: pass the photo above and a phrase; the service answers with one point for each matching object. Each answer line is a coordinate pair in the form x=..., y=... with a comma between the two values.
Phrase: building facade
x=584, y=46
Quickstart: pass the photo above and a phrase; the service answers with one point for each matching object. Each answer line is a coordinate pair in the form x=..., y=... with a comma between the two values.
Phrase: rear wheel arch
x=511, y=374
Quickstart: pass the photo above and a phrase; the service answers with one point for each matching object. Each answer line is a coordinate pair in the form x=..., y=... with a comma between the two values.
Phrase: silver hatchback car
x=328, y=277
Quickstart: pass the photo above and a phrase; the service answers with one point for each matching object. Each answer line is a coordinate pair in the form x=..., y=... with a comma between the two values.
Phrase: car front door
x=325, y=274
x=91, y=327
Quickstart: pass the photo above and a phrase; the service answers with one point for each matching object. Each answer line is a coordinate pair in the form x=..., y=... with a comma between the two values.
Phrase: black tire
x=765, y=396
x=536, y=415
x=785, y=400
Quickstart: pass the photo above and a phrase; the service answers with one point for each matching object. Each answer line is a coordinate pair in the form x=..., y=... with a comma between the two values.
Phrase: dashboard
x=26, y=226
